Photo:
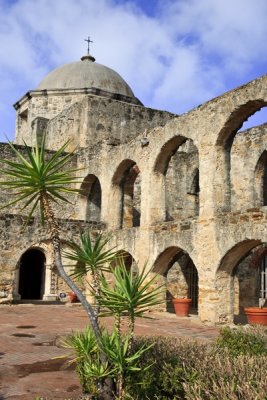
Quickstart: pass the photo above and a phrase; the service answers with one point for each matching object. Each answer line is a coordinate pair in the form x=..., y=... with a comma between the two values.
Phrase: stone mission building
x=185, y=193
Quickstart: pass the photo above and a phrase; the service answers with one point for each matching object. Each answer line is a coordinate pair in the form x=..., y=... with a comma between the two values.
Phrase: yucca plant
x=39, y=181
x=92, y=258
x=130, y=295
x=91, y=370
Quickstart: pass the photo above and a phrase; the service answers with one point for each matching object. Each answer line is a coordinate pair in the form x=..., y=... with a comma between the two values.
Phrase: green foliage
x=239, y=342
x=164, y=379
x=86, y=356
x=91, y=369
x=130, y=294
x=186, y=369
x=116, y=349
x=90, y=254
x=30, y=177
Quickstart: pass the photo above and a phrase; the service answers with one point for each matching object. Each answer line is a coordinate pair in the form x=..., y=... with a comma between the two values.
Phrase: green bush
x=240, y=342
x=182, y=369
x=189, y=370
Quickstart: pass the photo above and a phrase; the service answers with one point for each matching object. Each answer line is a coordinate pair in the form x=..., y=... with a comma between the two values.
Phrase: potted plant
x=181, y=306
x=258, y=315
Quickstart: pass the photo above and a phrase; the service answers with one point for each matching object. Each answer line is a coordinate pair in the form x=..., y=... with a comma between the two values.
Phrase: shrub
x=189, y=370
x=240, y=342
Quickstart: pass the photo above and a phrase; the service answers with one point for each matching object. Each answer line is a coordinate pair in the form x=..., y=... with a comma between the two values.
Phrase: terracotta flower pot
x=182, y=307
x=73, y=297
x=256, y=315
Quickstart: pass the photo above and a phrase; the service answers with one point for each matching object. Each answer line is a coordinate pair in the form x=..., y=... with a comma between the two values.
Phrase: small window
x=24, y=115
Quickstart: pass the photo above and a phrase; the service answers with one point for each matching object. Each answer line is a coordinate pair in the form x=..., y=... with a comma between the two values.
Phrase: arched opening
x=233, y=128
x=179, y=276
x=239, y=282
x=261, y=181
x=91, y=197
x=32, y=275
x=193, y=194
x=128, y=179
x=250, y=282
x=177, y=162
x=128, y=261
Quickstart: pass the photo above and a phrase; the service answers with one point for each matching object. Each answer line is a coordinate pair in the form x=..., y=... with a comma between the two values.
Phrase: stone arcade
x=184, y=192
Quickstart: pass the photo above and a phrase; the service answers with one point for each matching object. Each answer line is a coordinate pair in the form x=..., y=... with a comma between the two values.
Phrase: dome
x=86, y=74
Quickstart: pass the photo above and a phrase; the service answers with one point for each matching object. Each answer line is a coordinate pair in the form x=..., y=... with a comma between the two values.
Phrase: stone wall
x=15, y=240
x=98, y=119
x=40, y=104
x=215, y=227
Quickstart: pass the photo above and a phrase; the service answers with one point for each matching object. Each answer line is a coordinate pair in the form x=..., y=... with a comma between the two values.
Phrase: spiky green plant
x=37, y=180
x=92, y=258
x=42, y=180
x=131, y=295
x=33, y=178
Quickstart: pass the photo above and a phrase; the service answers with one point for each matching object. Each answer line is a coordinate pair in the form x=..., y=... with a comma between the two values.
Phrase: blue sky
x=175, y=54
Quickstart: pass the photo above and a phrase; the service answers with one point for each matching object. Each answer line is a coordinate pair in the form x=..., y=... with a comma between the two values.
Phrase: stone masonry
x=185, y=193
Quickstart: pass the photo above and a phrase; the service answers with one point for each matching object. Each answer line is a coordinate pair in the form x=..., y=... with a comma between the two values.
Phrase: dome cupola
x=86, y=74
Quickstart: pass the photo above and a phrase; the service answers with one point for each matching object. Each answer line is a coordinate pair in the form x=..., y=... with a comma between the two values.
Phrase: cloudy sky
x=175, y=54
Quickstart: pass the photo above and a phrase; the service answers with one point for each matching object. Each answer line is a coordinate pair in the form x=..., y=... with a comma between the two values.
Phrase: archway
x=260, y=192
x=32, y=275
x=179, y=276
x=224, y=144
x=238, y=280
x=127, y=180
x=250, y=282
x=175, y=166
x=91, y=198
x=128, y=261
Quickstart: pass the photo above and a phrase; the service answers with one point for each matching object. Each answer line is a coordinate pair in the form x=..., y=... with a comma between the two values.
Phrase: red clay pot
x=73, y=297
x=256, y=315
x=182, y=307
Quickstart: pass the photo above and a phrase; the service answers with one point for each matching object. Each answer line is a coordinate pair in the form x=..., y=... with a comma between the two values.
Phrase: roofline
x=91, y=90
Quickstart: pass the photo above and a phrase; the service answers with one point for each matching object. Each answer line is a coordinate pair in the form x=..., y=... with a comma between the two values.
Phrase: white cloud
x=191, y=51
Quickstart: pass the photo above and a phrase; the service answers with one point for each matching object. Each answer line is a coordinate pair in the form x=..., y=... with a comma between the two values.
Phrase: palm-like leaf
x=83, y=344
x=131, y=295
x=90, y=256
x=117, y=352
x=30, y=176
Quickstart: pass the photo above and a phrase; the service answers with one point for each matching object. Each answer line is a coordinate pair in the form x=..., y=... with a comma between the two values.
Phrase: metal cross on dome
x=88, y=40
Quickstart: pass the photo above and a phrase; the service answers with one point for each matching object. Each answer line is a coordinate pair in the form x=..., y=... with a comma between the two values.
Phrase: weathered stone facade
x=185, y=193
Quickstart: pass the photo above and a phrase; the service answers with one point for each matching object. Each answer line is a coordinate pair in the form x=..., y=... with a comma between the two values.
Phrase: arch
x=236, y=120
x=32, y=274
x=236, y=280
x=172, y=176
x=260, y=187
x=128, y=260
x=91, y=198
x=167, y=151
x=127, y=181
x=178, y=274
x=224, y=144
